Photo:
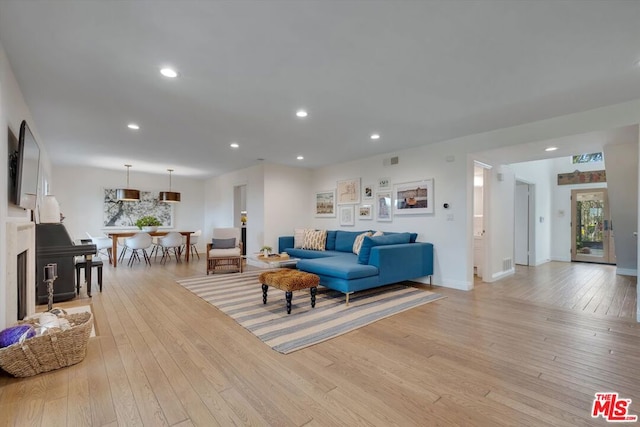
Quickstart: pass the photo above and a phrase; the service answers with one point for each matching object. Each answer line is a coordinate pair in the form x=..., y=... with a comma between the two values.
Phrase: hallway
x=589, y=288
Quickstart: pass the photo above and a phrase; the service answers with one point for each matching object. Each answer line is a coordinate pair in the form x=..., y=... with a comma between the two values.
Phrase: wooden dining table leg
x=114, y=250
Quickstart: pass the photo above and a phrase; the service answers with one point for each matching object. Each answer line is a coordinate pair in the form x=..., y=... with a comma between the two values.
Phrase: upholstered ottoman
x=289, y=280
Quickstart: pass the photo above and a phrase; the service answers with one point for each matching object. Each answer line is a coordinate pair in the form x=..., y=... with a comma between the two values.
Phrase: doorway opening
x=240, y=213
x=481, y=179
x=591, y=237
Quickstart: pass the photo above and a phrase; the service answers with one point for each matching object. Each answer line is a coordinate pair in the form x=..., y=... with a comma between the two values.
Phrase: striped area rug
x=240, y=296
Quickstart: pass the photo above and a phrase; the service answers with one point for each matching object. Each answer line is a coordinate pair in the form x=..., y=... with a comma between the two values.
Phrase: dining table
x=117, y=234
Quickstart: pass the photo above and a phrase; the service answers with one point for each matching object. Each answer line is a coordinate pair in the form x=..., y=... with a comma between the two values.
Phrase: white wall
x=623, y=201
x=80, y=192
x=287, y=201
x=500, y=238
x=539, y=173
x=219, y=204
x=275, y=195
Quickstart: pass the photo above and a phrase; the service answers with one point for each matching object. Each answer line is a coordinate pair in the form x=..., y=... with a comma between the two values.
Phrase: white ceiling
x=417, y=72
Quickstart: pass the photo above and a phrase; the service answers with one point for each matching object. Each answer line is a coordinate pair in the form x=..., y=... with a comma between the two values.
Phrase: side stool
x=96, y=263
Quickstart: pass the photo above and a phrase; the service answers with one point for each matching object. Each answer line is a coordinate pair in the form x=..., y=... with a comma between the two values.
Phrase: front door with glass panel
x=591, y=231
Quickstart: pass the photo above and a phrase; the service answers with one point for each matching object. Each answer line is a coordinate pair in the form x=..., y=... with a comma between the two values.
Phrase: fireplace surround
x=20, y=237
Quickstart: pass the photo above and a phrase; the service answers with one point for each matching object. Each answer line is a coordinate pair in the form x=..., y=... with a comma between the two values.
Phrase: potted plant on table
x=148, y=223
x=266, y=250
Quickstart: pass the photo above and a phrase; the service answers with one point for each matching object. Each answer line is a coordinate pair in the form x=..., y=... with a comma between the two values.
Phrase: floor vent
x=507, y=264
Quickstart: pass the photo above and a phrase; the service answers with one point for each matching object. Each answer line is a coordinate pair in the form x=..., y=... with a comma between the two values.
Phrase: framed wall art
x=367, y=192
x=365, y=211
x=410, y=198
x=383, y=206
x=346, y=214
x=326, y=204
x=348, y=191
x=122, y=214
x=384, y=183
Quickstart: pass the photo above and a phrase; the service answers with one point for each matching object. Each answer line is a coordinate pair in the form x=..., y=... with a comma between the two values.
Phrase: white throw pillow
x=298, y=237
x=357, y=244
x=378, y=233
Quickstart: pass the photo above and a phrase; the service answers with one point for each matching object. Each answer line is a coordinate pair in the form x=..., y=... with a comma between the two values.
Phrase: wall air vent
x=392, y=161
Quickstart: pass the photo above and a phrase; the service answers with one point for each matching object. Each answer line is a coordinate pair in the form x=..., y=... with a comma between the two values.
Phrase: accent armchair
x=224, y=252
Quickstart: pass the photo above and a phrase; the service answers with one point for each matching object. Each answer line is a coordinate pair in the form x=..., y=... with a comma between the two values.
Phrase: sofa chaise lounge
x=381, y=260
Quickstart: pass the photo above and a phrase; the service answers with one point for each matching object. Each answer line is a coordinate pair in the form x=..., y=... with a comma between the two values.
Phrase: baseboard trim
x=454, y=284
x=499, y=275
x=627, y=271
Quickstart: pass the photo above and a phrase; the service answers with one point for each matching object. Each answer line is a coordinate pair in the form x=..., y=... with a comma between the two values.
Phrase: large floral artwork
x=122, y=214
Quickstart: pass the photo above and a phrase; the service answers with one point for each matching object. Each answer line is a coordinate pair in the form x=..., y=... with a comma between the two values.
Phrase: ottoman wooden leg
x=289, y=295
x=264, y=293
x=313, y=296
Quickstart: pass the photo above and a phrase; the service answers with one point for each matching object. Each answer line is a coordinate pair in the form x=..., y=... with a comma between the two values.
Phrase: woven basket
x=48, y=352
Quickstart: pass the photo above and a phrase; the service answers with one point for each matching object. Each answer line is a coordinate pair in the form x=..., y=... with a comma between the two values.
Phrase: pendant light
x=169, y=196
x=127, y=194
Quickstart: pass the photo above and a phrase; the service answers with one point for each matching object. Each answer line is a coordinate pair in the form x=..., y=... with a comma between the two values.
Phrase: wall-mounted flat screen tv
x=27, y=168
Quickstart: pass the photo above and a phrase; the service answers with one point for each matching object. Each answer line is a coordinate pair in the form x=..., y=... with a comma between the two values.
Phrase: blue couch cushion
x=412, y=236
x=345, y=239
x=331, y=240
x=343, y=267
x=386, y=239
x=307, y=253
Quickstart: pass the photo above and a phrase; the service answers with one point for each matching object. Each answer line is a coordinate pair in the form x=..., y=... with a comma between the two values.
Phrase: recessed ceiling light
x=133, y=126
x=300, y=157
x=234, y=145
x=551, y=149
x=375, y=136
x=169, y=72
x=302, y=113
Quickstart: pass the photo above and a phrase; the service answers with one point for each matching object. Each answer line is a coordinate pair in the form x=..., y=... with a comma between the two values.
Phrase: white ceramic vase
x=150, y=228
x=49, y=210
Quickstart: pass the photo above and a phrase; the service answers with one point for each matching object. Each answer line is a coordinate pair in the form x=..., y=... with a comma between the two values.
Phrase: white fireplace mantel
x=21, y=236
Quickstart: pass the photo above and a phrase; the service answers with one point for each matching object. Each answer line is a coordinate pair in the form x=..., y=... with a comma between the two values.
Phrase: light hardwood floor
x=532, y=349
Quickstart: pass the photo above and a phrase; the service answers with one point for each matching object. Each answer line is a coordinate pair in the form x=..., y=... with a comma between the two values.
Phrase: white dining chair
x=193, y=240
x=102, y=243
x=172, y=240
x=141, y=241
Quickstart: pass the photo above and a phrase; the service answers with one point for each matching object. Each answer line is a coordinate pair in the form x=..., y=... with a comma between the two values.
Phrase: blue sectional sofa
x=390, y=258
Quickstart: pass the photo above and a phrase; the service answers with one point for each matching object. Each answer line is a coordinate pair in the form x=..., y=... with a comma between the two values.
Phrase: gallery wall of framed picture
x=380, y=199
